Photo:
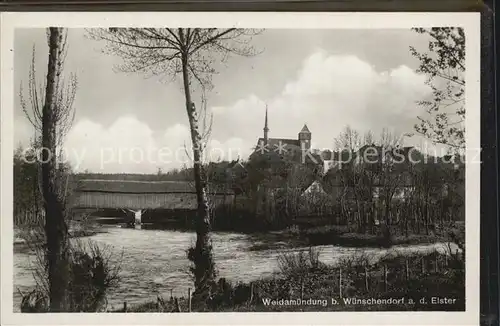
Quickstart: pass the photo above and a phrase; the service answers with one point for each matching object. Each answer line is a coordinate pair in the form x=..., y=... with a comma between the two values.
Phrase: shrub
x=314, y=258
x=35, y=301
x=203, y=272
x=294, y=230
x=293, y=265
x=358, y=260
x=92, y=274
x=457, y=257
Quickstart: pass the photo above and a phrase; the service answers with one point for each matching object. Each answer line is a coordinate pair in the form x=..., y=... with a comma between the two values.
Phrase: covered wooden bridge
x=161, y=196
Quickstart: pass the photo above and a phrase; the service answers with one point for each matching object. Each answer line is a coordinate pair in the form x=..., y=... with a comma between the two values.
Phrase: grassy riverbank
x=33, y=235
x=344, y=237
x=296, y=231
x=293, y=237
x=318, y=232
x=424, y=282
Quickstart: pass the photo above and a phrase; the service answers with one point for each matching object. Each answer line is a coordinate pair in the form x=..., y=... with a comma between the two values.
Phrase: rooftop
x=305, y=129
x=137, y=187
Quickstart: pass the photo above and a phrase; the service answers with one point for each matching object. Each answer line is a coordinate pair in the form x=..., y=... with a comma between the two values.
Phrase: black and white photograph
x=237, y=164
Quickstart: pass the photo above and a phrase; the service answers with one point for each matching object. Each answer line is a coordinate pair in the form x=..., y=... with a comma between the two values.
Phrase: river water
x=154, y=261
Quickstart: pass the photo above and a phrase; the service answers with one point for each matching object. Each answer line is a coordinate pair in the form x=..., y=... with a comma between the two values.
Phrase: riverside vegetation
x=427, y=276
x=300, y=275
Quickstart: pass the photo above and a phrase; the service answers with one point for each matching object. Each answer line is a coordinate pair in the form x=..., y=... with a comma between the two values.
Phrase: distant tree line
x=270, y=189
x=416, y=193
x=28, y=205
x=28, y=199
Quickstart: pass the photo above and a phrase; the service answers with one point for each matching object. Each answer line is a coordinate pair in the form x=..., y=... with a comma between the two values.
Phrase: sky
x=327, y=79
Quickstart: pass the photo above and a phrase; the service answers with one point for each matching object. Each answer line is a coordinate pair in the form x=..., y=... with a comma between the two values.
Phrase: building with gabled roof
x=283, y=145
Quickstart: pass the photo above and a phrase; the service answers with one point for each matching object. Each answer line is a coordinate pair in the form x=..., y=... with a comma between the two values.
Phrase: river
x=154, y=261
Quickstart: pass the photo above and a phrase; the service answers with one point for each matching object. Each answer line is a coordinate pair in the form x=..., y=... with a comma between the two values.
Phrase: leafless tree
x=191, y=53
x=368, y=166
x=391, y=169
x=65, y=92
x=352, y=180
x=349, y=139
x=63, y=115
x=390, y=139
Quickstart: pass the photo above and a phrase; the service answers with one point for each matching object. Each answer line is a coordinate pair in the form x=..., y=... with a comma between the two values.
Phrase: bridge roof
x=139, y=187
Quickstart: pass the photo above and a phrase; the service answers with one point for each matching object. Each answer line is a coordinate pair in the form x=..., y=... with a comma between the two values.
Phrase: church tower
x=266, y=130
x=305, y=138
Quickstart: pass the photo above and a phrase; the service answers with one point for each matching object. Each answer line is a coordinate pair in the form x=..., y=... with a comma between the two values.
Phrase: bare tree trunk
x=418, y=213
x=35, y=196
x=426, y=213
x=406, y=217
x=359, y=216
x=55, y=225
x=204, y=267
x=373, y=216
x=386, y=209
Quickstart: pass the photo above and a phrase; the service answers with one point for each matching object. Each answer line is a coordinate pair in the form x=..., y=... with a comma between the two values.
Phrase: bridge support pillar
x=138, y=218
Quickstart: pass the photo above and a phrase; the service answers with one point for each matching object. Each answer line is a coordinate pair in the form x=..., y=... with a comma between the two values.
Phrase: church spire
x=266, y=129
x=305, y=129
x=305, y=138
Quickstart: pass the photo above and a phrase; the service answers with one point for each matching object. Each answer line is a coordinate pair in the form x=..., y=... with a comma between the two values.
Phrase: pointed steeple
x=305, y=129
x=305, y=137
x=266, y=129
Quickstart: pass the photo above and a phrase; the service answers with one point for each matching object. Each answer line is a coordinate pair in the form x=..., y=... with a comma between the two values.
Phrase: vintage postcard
x=240, y=168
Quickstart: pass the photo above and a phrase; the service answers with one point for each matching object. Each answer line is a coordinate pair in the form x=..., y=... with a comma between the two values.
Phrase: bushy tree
x=50, y=110
x=443, y=63
x=190, y=53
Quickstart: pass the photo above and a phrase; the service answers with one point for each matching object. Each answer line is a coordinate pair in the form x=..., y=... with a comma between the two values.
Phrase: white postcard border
x=469, y=21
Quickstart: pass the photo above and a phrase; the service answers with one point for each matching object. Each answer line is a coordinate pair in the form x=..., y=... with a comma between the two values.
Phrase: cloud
x=23, y=132
x=127, y=145
x=131, y=146
x=328, y=93
x=229, y=150
x=122, y=147
x=336, y=76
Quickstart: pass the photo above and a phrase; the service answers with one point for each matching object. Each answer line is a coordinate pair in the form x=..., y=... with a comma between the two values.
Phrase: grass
x=303, y=277
x=33, y=234
x=343, y=236
x=75, y=229
x=338, y=235
x=91, y=273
